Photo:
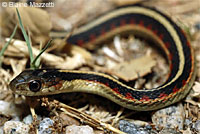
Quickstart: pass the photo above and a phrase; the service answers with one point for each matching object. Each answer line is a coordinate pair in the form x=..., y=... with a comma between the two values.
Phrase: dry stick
x=119, y=113
x=34, y=115
x=86, y=118
x=32, y=102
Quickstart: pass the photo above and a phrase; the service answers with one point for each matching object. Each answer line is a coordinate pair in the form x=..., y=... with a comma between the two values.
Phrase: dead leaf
x=130, y=70
x=36, y=20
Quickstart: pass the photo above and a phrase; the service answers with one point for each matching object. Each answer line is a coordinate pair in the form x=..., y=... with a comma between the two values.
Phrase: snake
x=142, y=21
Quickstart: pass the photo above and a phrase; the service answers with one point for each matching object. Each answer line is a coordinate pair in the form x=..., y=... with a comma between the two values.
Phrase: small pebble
x=188, y=122
x=127, y=127
x=196, y=125
x=10, y=109
x=79, y=130
x=15, y=127
x=131, y=128
x=45, y=126
x=170, y=117
x=28, y=119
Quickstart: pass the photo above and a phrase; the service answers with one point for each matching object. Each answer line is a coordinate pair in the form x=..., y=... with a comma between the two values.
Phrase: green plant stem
x=6, y=45
x=25, y=36
x=42, y=51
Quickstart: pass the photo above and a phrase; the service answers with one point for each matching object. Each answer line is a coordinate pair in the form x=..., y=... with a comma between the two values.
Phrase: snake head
x=35, y=82
x=27, y=82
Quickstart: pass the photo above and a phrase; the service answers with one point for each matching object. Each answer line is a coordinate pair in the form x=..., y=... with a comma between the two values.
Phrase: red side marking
x=175, y=89
x=167, y=44
x=155, y=32
x=161, y=36
x=184, y=82
x=122, y=22
x=129, y=96
x=116, y=90
x=171, y=66
x=145, y=98
x=112, y=26
x=92, y=37
x=80, y=42
x=188, y=43
x=132, y=21
x=162, y=95
x=170, y=56
x=107, y=84
x=103, y=31
x=141, y=23
x=54, y=86
x=58, y=86
x=183, y=32
x=149, y=27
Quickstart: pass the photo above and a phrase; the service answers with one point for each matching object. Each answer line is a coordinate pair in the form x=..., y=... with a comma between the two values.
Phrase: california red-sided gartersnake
x=142, y=21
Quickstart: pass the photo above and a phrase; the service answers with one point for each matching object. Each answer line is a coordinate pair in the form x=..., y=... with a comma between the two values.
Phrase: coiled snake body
x=142, y=21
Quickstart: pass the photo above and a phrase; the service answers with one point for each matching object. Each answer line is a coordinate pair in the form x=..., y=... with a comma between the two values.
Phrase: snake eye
x=34, y=85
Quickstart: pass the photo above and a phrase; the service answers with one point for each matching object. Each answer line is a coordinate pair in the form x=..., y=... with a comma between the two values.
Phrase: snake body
x=142, y=21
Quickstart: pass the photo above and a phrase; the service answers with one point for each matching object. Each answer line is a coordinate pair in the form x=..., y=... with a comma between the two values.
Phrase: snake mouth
x=13, y=84
x=17, y=88
x=16, y=83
